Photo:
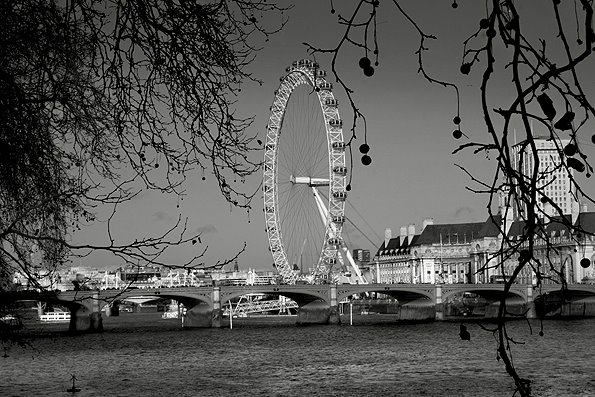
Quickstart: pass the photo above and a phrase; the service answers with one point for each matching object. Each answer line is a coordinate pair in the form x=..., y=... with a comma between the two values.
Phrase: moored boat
x=55, y=316
x=10, y=322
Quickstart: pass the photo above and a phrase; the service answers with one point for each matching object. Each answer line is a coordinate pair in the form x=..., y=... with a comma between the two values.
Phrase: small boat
x=170, y=315
x=10, y=322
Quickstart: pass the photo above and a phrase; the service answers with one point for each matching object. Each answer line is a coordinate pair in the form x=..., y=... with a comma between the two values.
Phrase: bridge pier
x=316, y=312
x=112, y=309
x=205, y=315
x=531, y=312
x=202, y=316
x=216, y=314
x=320, y=311
x=334, y=316
x=438, y=304
x=87, y=317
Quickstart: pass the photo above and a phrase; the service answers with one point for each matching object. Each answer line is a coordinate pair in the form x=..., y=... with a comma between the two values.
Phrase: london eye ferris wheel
x=304, y=181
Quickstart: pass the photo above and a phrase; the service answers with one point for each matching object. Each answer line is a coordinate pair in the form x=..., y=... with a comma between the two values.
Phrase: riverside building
x=470, y=253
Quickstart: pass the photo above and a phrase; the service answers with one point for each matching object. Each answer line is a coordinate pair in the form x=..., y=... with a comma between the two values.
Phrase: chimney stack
x=410, y=232
x=388, y=235
x=426, y=222
x=403, y=234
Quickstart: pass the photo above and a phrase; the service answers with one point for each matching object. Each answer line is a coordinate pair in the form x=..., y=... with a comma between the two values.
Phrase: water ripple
x=139, y=358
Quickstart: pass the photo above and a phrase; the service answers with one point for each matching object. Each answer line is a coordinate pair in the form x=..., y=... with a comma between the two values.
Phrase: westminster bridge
x=317, y=304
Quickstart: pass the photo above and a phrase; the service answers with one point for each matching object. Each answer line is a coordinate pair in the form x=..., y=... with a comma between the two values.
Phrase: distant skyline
x=412, y=175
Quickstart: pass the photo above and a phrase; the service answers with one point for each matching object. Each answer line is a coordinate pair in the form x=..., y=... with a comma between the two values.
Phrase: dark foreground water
x=142, y=355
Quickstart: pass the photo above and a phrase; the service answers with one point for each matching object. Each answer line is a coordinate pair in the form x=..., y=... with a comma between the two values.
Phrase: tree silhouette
x=545, y=77
x=101, y=100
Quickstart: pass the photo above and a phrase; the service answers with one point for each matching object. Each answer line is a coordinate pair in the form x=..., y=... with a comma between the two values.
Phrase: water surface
x=142, y=355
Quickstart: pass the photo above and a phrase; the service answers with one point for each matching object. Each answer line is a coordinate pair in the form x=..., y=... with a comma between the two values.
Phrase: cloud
x=463, y=211
x=206, y=229
x=161, y=216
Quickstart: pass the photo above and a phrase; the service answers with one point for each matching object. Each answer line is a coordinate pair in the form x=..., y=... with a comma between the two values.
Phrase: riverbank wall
x=584, y=308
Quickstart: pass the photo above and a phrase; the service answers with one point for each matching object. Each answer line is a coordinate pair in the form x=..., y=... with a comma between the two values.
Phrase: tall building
x=553, y=178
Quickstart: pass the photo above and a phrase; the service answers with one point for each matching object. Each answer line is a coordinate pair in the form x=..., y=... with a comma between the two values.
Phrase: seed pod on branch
x=565, y=122
x=576, y=164
x=547, y=106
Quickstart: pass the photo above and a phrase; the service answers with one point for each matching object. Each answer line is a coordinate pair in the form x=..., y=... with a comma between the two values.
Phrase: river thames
x=142, y=355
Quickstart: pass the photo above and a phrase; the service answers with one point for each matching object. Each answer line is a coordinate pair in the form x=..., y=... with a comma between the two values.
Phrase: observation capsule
x=334, y=241
x=340, y=169
x=340, y=195
x=338, y=146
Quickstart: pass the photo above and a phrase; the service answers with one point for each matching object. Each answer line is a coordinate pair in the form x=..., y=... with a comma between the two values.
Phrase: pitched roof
x=461, y=233
x=558, y=225
x=450, y=233
x=491, y=227
x=555, y=226
x=586, y=220
x=397, y=246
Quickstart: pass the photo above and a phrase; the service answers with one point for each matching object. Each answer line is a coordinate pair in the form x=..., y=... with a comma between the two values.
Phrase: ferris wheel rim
x=305, y=72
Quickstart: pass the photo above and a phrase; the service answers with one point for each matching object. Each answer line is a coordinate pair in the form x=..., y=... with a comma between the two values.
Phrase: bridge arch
x=404, y=293
x=301, y=296
x=188, y=299
x=574, y=300
x=490, y=292
x=572, y=292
